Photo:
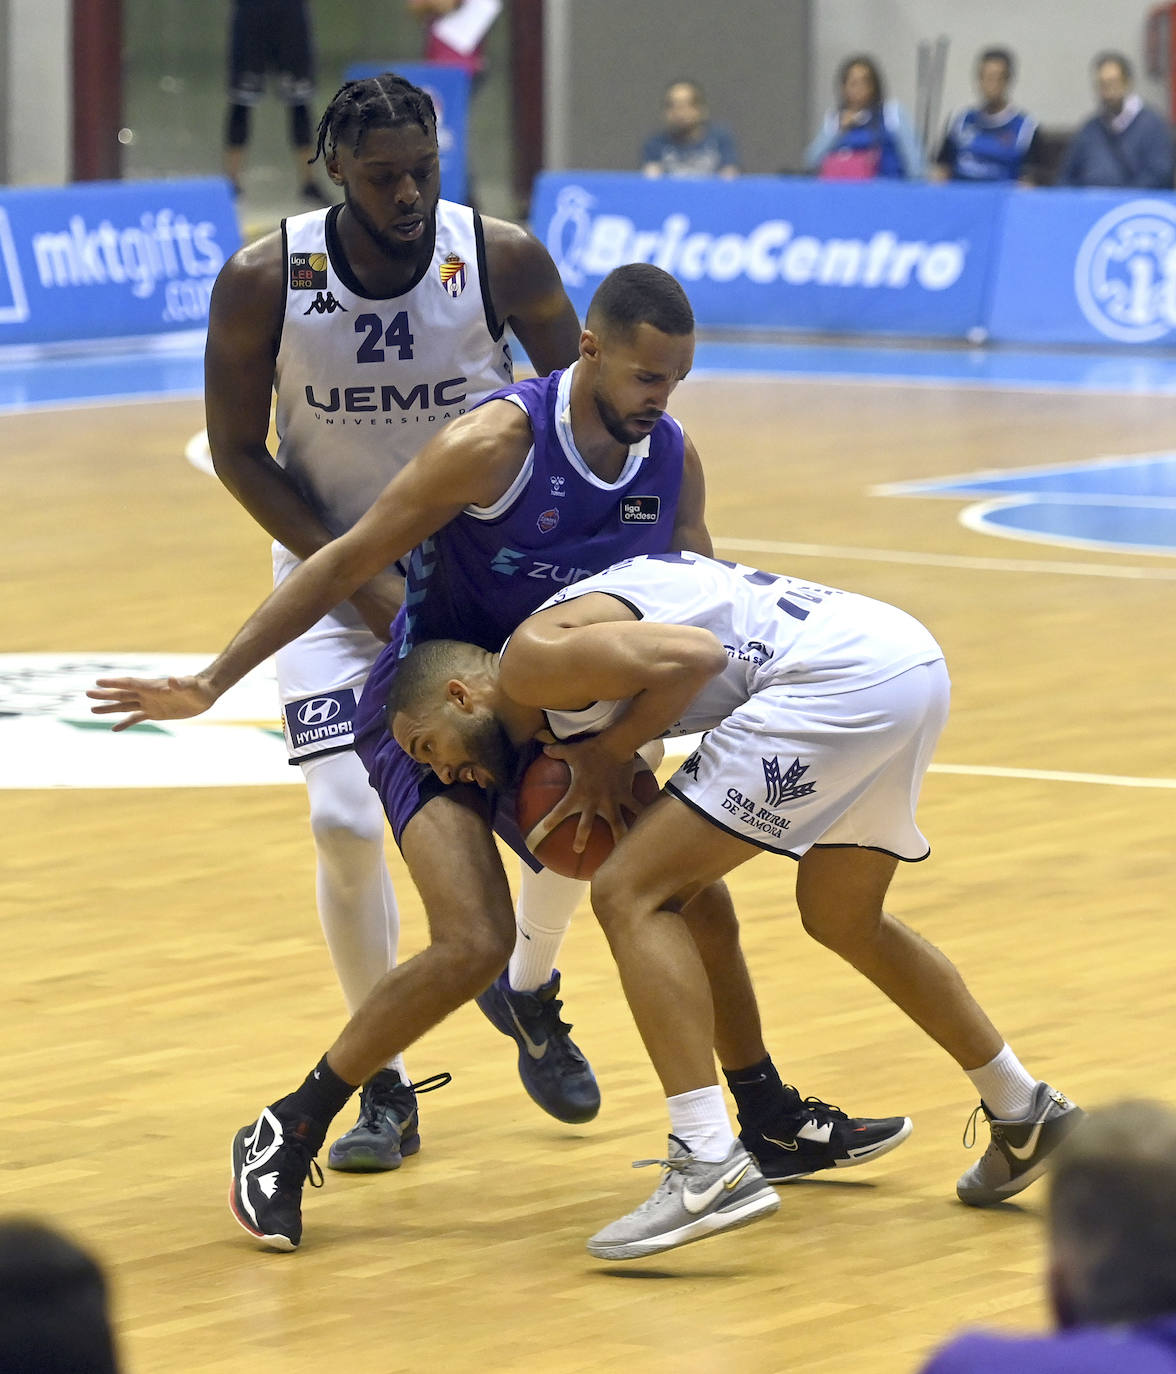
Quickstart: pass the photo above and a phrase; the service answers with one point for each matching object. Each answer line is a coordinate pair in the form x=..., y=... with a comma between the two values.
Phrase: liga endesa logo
x=587, y=244
x=1125, y=272
x=50, y=739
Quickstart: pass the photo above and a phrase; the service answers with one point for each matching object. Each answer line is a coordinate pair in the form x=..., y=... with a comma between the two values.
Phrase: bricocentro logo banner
x=782, y=252
x=110, y=260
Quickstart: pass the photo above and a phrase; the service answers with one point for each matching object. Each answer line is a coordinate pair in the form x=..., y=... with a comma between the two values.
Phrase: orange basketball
x=542, y=788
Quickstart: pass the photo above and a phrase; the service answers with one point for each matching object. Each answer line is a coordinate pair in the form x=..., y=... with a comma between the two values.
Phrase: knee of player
x=840, y=929
x=474, y=958
x=342, y=827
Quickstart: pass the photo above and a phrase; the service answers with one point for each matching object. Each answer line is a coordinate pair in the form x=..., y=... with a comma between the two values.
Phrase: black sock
x=321, y=1097
x=760, y=1096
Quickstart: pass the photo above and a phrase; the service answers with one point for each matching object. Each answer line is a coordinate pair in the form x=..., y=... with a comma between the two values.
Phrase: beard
x=622, y=431
x=391, y=247
x=489, y=748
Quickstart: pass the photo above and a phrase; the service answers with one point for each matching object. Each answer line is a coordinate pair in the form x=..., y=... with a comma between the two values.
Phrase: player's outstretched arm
x=471, y=462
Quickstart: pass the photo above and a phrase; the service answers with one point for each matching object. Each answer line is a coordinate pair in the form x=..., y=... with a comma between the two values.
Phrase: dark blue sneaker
x=388, y=1125
x=555, y=1074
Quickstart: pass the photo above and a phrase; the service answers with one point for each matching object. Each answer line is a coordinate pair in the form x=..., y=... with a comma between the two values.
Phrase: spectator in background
x=456, y=30
x=53, y=1314
x=271, y=36
x=993, y=141
x=1112, y=1256
x=689, y=145
x=1126, y=143
x=866, y=135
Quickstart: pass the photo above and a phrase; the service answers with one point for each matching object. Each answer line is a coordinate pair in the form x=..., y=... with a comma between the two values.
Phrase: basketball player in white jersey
x=822, y=709
x=376, y=322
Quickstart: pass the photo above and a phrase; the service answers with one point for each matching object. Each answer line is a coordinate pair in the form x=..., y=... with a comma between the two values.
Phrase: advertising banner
x=449, y=88
x=107, y=260
x=784, y=253
x=1087, y=267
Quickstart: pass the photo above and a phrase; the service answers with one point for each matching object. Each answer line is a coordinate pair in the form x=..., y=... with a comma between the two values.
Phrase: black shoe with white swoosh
x=272, y=1159
x=694, y=1199
x=811, y=1135
x=1019, y=1150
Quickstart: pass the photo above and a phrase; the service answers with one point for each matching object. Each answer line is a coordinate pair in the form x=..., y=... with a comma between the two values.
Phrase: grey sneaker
x=1020, y=1150
x=388, y=1125
x=693, y=1200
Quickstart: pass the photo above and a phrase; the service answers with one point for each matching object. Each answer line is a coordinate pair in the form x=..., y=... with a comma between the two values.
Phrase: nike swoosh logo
x=699, y=1202
x=1025, y=1152
x=535, y=1051
x=783, y=1144
x=255, y=1154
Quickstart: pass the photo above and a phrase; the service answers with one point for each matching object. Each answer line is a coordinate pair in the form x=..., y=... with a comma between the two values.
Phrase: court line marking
x=946, y=560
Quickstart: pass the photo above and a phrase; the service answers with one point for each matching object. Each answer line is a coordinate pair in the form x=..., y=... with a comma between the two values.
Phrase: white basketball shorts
x=320, y=676
x=789, y=770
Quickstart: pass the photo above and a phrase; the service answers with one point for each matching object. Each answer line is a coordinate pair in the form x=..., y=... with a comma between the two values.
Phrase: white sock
x=356, y=903
x=1005, y=1085
x=699, y=1119
x=545, y=907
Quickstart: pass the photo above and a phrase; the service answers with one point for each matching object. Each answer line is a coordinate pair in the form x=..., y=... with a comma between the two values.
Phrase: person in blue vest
x=866, y=135
x=1125, y=143
x=1112, y=1256
x=995, y=140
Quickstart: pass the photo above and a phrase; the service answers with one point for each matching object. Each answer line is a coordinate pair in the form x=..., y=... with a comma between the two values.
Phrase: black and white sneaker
x=272, y=1159
x=810, y=1135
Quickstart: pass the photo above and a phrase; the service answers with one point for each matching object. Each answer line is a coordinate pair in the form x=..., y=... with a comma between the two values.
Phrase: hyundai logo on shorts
x=318, y=711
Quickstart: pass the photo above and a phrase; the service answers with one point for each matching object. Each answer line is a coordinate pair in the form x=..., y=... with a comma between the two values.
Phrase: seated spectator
x=993, y=141
x=1112, y=1256
x=53, y=1316
x=866, y=135
x=689, y=145
x=1126, y=143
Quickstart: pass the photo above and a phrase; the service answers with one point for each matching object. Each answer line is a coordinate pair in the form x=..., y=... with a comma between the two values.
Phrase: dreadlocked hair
x=376, y=102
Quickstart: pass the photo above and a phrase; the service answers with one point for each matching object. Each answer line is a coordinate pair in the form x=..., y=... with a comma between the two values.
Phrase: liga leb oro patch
x=308, y=271
x=453, y=275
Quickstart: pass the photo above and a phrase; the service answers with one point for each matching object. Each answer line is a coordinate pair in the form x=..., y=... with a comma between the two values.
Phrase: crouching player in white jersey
x=376, y=322
x=822, y=709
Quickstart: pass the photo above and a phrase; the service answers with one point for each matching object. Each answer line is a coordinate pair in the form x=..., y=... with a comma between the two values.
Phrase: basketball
x=542, y=788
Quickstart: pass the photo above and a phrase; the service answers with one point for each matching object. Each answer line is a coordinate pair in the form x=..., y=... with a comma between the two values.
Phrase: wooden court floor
x=164, y=975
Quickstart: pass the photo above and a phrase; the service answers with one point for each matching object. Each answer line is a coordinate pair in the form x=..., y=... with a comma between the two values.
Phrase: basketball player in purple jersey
x=478, y=509
x=376, y=322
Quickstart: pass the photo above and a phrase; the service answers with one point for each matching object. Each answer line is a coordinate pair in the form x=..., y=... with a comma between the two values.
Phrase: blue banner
x=450, y=90
x=781, y=252
x=111, y=259
x=1087, y=267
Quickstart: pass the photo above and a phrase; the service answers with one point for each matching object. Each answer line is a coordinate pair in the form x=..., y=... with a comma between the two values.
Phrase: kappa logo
x=690, y=767
x=1125, y=272
x=324, y=304
x=785, y=786
x=319, y=711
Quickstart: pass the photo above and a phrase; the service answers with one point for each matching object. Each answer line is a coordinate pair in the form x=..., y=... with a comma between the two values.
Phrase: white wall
x=1054, y=41
x=37, y=118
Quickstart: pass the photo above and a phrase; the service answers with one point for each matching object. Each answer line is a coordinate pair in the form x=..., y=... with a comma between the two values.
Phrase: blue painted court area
x=1125, y=503
x=118, y=372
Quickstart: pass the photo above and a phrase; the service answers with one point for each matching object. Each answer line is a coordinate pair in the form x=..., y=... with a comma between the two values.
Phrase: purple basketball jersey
x=487, y=571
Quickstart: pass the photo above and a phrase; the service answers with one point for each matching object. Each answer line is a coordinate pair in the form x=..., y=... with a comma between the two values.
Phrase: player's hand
x=378, y=602
x=601, y=786
x=158, y=698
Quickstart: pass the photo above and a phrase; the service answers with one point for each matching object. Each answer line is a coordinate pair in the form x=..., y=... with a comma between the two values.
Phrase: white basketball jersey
x=362, y=383
x=776, y=630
